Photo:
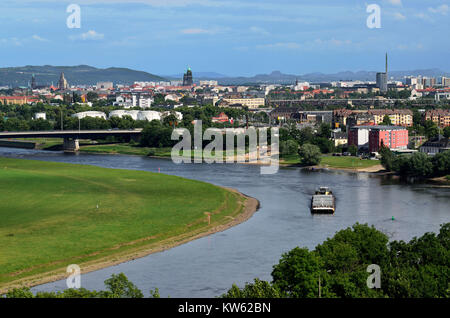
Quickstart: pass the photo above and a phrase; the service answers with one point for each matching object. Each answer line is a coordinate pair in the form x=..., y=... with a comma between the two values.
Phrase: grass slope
x=50, y=219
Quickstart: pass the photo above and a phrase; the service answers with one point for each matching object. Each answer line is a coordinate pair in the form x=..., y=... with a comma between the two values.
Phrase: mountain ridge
x=75, y=75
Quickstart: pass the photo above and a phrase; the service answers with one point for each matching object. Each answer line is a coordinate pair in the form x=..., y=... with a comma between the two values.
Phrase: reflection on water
x=209, y=266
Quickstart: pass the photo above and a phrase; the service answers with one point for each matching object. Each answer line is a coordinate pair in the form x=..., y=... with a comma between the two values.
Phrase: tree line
x=337, y=268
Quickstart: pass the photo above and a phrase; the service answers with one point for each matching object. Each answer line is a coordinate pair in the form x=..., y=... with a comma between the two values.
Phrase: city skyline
x=228, y=37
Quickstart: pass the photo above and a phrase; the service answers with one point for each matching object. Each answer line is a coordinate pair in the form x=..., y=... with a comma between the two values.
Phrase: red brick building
x=390, y=136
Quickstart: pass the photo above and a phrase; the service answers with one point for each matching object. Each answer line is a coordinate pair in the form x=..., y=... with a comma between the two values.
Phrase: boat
x=323, y=201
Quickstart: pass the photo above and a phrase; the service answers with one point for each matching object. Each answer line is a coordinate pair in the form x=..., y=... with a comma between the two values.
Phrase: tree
x=310, y=154
x=257, y=289
x=441, y=163
x=447, y=132
x=431, y=129
x=288, y=147
x=297, y=274
x=387, y=120
x=387, y=158
x=420, y=165
x=353, y=150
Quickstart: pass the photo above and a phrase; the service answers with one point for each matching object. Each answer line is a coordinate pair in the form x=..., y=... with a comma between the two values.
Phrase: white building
x=40, y=116
x=145, y=102
x=121, y=112
x=105, y=85
x=149, y=115
x=93, y=114
x=208, y=83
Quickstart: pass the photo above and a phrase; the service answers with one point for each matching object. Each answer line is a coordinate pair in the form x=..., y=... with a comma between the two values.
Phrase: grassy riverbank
x=344, y=162
x=56, y=214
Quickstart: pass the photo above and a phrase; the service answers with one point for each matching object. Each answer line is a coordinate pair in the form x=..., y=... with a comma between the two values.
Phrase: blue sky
x=232, y=37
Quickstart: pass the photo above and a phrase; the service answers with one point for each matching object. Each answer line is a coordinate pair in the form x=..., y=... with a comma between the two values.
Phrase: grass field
x=348, y=162
x=127, y=149
x=56, y=214
x=343, y=162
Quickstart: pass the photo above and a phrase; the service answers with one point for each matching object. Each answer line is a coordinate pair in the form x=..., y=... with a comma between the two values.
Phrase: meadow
x=56, y=214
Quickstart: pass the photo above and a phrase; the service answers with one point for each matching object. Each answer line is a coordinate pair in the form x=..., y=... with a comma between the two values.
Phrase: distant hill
x=78, y=75
x=277, y=77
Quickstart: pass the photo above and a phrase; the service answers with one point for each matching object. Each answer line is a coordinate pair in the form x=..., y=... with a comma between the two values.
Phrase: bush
x=310, y=154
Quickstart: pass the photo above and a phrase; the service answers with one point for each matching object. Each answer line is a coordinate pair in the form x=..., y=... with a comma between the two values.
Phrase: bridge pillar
x=71, y=145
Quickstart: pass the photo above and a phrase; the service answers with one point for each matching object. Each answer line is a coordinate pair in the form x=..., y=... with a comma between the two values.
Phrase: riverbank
x=343, y=163
x=56, y=214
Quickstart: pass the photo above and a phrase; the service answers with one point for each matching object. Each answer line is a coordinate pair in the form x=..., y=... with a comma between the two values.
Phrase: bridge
x=72, y=137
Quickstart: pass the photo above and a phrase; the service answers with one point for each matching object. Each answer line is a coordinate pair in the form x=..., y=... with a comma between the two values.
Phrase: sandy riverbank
x=245, y=210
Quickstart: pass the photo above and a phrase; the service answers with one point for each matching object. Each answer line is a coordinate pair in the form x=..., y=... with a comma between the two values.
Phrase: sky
x=231, y=37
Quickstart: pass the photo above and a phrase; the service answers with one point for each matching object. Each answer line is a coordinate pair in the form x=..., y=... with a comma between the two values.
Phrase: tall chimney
x=386, y=63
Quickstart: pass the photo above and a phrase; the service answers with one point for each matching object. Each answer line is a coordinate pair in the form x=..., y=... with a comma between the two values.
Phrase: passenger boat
x=323, y=201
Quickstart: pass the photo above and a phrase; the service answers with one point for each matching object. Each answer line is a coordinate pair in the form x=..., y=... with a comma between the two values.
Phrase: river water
x=207, y=267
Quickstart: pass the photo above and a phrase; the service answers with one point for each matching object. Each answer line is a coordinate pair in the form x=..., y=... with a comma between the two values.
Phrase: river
x=207, y=267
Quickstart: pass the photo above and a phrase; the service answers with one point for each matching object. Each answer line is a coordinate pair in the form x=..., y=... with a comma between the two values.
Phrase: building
x=440, y=117
x=432, y=147
x=392, y=137
x=62, y=83
x=145, y=102
x=371, y=138
x=251, y=103
x=359, y=137
x=93, y=114
x=398, y=117
x=382, y=79
x=358, y=119
x=339, y=137
x=222, y=118
x=40, y=116
x=105, y=85
x=208, y=83
x=187, y=78
x=33, y=82
x=445, y=81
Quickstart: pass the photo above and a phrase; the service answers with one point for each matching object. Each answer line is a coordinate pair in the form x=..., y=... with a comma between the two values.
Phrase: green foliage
x=353, y=150
x=415, y=269
x=387, y=120
x=447, y=132
x=120, y=287
x=298, y=272
x=257, y=289
x=417, y=164
x=288, y=147
x=309, y=154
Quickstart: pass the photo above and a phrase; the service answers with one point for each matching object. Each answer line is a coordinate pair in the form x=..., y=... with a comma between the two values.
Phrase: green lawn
x=334, y=162
x=55, y=214
x=127, y=149
x=347, y=162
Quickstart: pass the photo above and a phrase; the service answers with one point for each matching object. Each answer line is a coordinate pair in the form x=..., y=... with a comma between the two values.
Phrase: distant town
x=364, y=114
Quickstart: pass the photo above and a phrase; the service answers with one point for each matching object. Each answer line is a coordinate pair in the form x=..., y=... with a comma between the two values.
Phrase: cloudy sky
x=232, y=37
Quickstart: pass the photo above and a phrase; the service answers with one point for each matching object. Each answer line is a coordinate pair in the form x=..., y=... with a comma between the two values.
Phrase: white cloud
x=280, y=45
x=399, y=16
x=195, y=31
x=40, y=39
x=443, y=9
x=395, y=2
x=89, y=35
x=258, y=30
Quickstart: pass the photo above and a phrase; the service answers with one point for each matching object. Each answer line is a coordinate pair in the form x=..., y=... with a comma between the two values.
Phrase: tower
x=187, y=78
x=382, y=78
x=62, y=83
x=33, y=82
